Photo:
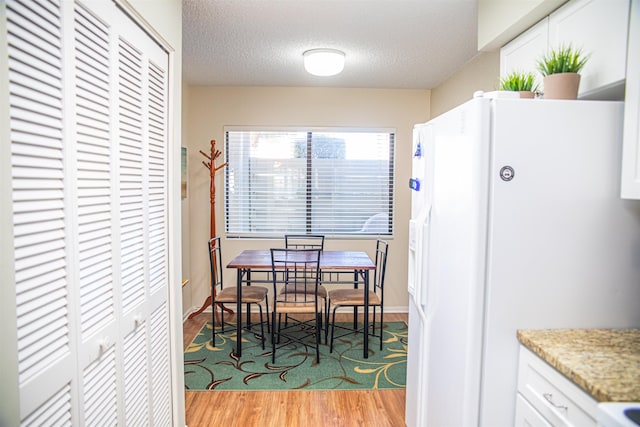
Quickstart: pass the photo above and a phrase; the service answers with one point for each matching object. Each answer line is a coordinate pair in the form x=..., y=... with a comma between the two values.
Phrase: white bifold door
x=87, y=118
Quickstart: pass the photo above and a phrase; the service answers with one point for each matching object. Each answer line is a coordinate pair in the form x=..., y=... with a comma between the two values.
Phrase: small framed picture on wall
x=183, y=172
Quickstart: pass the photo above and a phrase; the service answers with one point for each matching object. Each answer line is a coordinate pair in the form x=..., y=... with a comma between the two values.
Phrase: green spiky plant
x=519, y=81
x=565, y=59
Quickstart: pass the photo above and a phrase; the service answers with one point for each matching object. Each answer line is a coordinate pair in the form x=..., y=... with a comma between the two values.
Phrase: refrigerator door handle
x=415, y=239
x=419, y=258
x=425, y=257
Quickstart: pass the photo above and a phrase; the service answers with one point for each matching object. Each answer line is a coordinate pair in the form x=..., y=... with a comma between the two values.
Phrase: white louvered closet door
x=88, y=120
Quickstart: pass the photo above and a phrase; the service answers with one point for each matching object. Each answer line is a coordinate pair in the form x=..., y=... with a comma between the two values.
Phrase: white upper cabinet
x=521, y=54
x=630, y=188
x=599, y=28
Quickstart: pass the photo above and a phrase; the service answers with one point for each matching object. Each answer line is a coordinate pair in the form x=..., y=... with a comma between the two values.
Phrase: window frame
x=309, y=130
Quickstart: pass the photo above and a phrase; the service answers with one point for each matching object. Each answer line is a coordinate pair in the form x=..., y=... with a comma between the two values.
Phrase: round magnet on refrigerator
x=507, y=173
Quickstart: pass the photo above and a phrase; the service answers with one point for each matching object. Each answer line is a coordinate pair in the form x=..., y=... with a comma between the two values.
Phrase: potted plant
x=560, y=70
x=521, y=82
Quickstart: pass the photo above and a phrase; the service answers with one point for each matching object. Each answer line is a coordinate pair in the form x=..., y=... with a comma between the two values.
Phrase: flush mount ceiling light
x=323, y=62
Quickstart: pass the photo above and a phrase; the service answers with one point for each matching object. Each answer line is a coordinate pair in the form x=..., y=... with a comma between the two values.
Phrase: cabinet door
x=631, y=144
x=557, y=399
x=599, y=28
x=88, y=137
x=526, y=415
x=523, y=52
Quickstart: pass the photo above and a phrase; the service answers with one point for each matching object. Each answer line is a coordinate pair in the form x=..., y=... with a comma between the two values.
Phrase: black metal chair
x=308, y=241
x=221, y=294
x=355, y=297
x=304, y=241
x=299, y=269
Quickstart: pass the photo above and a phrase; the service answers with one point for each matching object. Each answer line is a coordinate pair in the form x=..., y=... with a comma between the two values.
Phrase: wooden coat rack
x=210, y=164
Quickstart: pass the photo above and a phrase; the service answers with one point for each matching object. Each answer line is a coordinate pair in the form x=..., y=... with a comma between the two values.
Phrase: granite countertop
x=603, y=362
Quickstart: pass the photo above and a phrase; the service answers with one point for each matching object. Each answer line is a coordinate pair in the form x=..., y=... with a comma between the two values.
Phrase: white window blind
x=334, y=182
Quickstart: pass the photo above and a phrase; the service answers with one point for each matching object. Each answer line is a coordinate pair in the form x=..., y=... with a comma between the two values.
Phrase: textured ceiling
x=412, y=44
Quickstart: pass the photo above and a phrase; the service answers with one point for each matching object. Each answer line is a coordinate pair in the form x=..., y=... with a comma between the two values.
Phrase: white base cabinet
x=527, y=415
x=547, y=398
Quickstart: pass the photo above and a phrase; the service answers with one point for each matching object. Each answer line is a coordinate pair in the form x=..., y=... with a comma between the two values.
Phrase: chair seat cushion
x=293, y=288
x=250, y=294
x=352, y=297
x=294, y=303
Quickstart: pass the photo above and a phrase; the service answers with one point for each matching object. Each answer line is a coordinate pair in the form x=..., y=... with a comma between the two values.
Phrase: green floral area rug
x=217, y=368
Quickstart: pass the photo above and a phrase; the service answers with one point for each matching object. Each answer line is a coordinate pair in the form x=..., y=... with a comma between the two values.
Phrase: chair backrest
x=215, y=261
x=304, y=241
x=382, y=250
x=299, y=271
x=378, y=223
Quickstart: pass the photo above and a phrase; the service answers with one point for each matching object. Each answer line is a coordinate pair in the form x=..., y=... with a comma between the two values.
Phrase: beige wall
x=482, y=73
x=211, y=108
x=186, y=225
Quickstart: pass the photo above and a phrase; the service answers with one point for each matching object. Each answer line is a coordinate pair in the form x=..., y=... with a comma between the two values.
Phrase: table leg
x=366, y=314
x=248, y=306
x=239, y=314
x=356, y=278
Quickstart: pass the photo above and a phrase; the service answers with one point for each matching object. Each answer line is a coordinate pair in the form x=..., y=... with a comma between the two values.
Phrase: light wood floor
x=297, y=408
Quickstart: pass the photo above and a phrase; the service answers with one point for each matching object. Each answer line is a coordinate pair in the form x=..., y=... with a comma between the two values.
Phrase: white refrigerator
x=516, y=223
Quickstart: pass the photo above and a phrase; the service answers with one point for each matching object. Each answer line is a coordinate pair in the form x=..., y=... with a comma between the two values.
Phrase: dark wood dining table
x=333, y=265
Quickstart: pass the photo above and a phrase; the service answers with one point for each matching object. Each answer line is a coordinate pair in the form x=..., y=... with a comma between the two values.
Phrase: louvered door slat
x=44, y=284
x=33, y=93
x=58, y=408
x=23, y=170
x=29, y=276
x=51, y=194
x=36, y=310
x=94, y=186
x=95, y=241
x=161, y=396
x=87, y=23
x=92, y=178
x=135, y=371
x=97, y=298
x=45, y=138
x=157, y=173
x=92, y=120
x=30, y=242
x=94, y=157
x=34, y=42
x=43, y=220
x=46, y=17
x=23, y=51
x=25, y=183
x=89, y=88
x=131, y=172
x=29, y=224
x=43, y=63
x=45, y=330
x=32, y=121
x=100, y=393
x=92, y=204
x=91, y=55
